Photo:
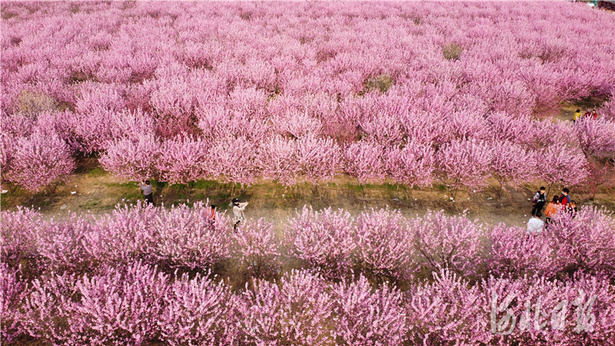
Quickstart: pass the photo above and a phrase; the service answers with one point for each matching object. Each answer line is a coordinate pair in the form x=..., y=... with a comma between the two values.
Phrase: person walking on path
x=148, y=192
x=211, y=215
x=535, y=225
x=552, y=209
x=564, y=198
x=238, y=212
x=539, y=200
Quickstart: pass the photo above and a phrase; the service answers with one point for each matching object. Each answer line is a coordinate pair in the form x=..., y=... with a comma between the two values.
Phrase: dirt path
x=96, y=191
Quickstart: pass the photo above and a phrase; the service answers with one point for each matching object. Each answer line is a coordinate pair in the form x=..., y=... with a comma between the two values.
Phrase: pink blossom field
x=409, y=93
x=463, y=95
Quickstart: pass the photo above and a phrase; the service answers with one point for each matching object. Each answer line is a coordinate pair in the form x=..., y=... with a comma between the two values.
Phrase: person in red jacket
x=564, y=198
x=212, y=214
x=587, y=114
x=595, y=114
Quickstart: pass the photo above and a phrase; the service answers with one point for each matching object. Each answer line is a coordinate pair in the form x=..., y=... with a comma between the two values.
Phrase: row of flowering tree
x=139, y=304
x=236, y=92
x=379, y=243
x=43, y=158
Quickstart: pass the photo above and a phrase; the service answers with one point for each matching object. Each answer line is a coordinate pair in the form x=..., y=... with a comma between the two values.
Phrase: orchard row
x=381, y=243
x=512, y=151
x=137, y=304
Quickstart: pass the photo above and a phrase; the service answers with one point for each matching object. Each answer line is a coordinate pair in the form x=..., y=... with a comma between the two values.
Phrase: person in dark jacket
x=539, y=200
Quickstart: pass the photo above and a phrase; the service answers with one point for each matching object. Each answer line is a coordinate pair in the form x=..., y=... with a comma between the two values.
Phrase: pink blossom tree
x=464, y=163
x=532, y=308
x=277, y=160
x=119, y=306
x=184, y=237
x=447, y=242
x=233, y=160
x=130, y=124
x=515, y=253
x=217, y=122
x=132, y=158
x=173, y=101
x=47, y=308
x=7, y=147
x=596, y=137
x=318, y=158
x=520, y=129
x=198, y=310
x=447, y=309
x=385, y=129
x=256, y=248
x=12, y=293
x=367, y=315
x=584, y=240
x=40, y=160
x=411, y=165
x=250, y=102
x=608, y=108
x=122, y=236
x=561, y=165
x=384, y=245
x=511, y=163
x=548, y=133
x=299, y=311
x=365, y=161
x=183, y=160
x=323, y=240
x=296, y=124
x=19, y=235
x=60, y=243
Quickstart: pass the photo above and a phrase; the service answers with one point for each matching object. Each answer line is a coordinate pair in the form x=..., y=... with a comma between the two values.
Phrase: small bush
x=34, y=103
x=452, y=51
x=383, y=82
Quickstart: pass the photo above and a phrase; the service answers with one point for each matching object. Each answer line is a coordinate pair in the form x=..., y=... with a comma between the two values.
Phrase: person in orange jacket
x=552, y=209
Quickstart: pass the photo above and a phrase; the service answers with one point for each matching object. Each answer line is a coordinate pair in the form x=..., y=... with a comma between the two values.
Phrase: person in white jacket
x=535, y=225
x=238, y=209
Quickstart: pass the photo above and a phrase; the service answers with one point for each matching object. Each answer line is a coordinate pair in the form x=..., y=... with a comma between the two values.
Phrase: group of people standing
x=587, y=114
x=238, y=207
x=561, y=203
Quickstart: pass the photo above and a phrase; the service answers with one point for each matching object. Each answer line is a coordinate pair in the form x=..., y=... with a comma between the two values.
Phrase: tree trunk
x=549, y=190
